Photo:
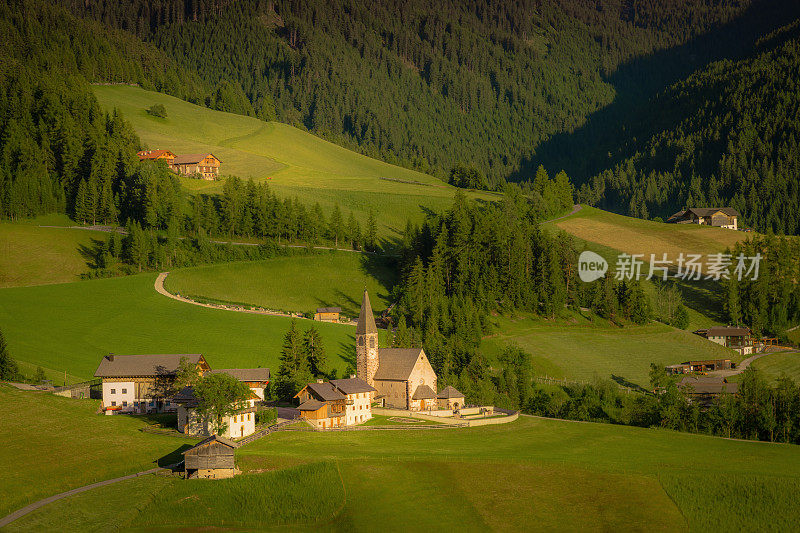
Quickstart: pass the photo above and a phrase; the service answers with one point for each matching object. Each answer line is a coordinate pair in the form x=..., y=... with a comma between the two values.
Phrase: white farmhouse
x=240, y=424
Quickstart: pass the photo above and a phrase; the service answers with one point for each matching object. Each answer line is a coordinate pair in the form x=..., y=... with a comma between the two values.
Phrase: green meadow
x=530, y=474
x=295, y=163
x=69, y=327
x=778, y=364
x=581, y=347
x=295, y=283
x=30, y=255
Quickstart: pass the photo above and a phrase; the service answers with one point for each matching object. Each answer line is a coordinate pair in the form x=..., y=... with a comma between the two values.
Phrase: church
x=403, y=378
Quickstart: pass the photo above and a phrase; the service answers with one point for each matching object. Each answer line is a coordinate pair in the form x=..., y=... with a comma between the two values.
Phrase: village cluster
x=203, y=166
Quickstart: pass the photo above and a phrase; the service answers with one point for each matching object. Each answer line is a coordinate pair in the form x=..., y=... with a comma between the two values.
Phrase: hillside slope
x=295, y=163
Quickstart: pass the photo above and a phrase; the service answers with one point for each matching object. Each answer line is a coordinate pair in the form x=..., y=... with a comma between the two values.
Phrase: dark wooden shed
x=212, y=458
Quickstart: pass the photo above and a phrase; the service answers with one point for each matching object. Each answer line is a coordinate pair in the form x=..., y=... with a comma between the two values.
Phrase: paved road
x=41, y=503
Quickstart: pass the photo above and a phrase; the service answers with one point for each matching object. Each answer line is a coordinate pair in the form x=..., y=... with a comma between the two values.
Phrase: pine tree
x=8, y=367
x=82, y=208
x=335, y=226
x=314, y=352
x=371, y=237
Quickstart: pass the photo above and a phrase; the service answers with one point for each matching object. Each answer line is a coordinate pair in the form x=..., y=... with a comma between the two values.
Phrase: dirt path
x=41, y=503
x=575, y=209
x=741, y=367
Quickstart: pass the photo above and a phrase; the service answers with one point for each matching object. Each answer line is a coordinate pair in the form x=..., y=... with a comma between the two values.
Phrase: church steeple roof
x=366, y=321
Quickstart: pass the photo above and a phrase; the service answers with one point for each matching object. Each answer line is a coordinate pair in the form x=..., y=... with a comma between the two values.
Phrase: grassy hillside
x=51, y=444
x=30, y=255
x=295, y=162
x=579, y=348
x=636, y=236
x=299, y=283
x=775, y=365
x=71, y=326
x=557, y=475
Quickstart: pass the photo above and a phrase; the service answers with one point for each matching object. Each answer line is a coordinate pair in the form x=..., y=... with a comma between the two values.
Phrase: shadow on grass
x=174, y=457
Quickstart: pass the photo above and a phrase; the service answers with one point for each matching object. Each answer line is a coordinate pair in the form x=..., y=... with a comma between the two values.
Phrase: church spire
x=366, y=320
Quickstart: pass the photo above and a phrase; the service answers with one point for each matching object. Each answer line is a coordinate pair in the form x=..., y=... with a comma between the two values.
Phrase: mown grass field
x=296, y=163
x=579, y=348
x=50, y=444
x=775, y=365
x=71, y=326
x=296, y=283
x=30, y=255
x=533, y=473
x=636, y=236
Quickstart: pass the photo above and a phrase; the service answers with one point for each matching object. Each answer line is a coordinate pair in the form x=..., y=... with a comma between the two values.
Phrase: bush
x=267, y=417
x=157, y=110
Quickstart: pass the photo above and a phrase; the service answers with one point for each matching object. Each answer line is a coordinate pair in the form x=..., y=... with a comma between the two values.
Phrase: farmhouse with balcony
x=327, y=314
x=155, y=155
x=403, y=377
x=239, y=424
x=142, y=383
x=205, y=165
x=336, y=403
x=212, y=458
x=735, y=338
x=720, y=217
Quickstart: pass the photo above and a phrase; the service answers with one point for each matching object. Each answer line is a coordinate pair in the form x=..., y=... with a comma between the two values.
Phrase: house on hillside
x=327, y=314
x=240, y=424
x=255, y=378
x=719, y=217
x=155, y=155
x=735, y=338
x=705, y=389
x=336, y=403
x=205, y=165
x=707, y=365
x=212, y=458
x=403, y=377
x=139, y=384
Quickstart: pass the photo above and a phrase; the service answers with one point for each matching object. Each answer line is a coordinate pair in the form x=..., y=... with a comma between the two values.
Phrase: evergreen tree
x=314, y=352
x=8, y=367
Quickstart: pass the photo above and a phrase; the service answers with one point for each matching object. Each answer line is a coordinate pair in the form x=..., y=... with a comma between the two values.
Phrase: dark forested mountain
x=425, y=85
x=727, y=135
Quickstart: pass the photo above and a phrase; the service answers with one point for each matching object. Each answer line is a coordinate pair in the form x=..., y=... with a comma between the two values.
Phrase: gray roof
x=449, y=392
x=708, y=385
x=116, y=366
x=706, y=212
x=727, y=331
x=352, y=385
x=329, y=309
x=423, y=392
x=366, y=320
x=245, y=374
x=396, y=364
x=325, y=391
x=191, y=158
x=186, y=395
x=310, y=405
x=213, y=438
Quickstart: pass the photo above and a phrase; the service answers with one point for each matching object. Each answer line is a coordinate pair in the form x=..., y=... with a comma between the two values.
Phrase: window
x=113, y=391
x=124, y=391
x=372, y=342
x=152, y=403
x=168, y=404
x=361, y=341
x=136, y=404
x=113, y=404
x=124, y=404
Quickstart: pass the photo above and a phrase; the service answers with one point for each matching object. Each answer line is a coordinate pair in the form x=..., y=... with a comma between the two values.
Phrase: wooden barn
x=205, y=166
x=154, y=155
x=212, y=458
x=327, y=314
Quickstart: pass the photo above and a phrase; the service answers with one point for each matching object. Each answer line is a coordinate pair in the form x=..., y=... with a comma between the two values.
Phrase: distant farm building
x=720, y=217
x=141, y=384
x=450, y=398
x=154, y=155
x=204, y=165
x=336, y=403
x=327, y=314
x=704, y=389
x=212, y=458
x=735, y=338
x=709, y=365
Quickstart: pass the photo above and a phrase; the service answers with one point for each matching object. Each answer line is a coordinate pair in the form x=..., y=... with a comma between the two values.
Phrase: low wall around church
x=510, y=416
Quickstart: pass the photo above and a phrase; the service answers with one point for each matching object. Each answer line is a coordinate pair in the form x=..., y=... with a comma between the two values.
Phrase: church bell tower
x=366, y=343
